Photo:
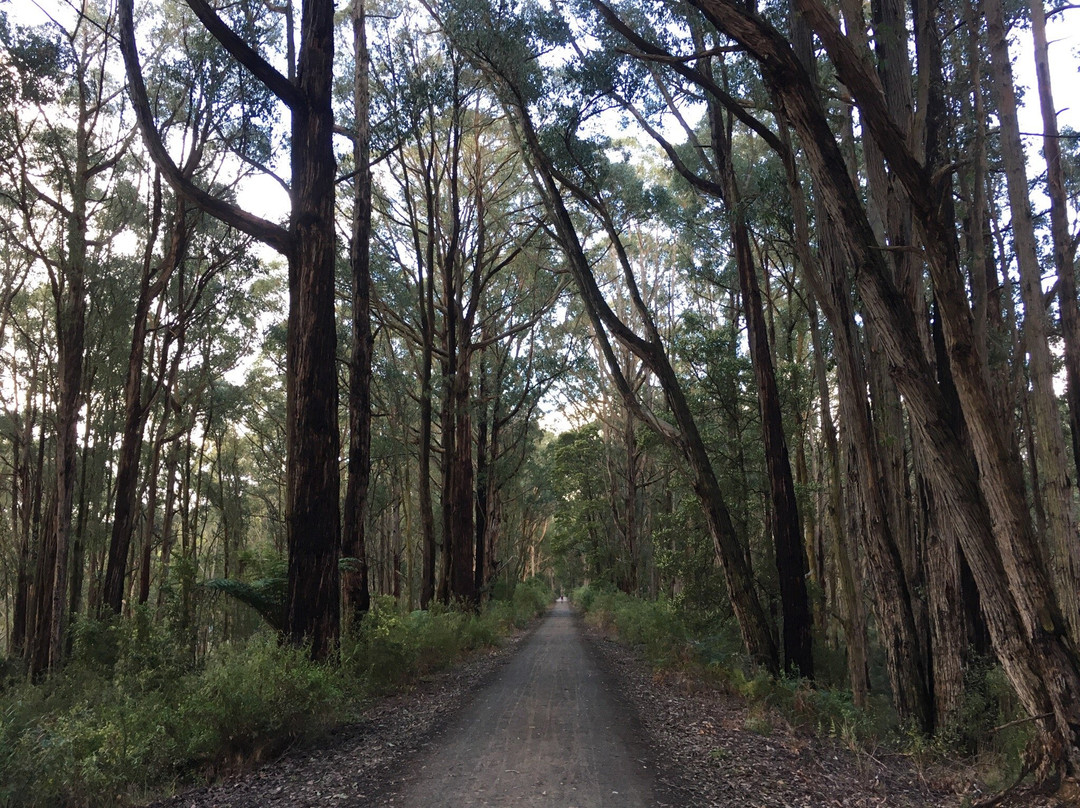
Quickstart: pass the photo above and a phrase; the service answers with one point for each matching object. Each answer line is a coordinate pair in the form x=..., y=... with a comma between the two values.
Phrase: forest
x=324, y=320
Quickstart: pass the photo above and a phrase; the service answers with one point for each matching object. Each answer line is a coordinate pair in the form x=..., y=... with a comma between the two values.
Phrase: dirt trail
x=562, y=718
x=546, y=732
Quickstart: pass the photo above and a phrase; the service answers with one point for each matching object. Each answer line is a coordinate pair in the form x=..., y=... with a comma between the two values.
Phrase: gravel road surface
x=546, y=732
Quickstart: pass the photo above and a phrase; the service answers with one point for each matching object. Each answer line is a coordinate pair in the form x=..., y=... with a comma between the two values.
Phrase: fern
x=265, y=595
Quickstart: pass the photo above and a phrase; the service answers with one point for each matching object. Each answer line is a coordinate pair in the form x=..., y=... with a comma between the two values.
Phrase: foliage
x=266, y=594
x=130, y=715
x=607, y=501
x=714, y=653
x=668, y=639
x=653, y=626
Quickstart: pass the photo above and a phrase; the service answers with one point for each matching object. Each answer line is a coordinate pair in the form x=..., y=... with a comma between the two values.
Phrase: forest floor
x=562, y=717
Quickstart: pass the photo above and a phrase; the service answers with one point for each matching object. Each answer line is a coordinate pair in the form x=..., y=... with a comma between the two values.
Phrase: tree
x=309, y=245
x=505, y=73
x=63, y=165
x=998, y=538
x=356, y=595
x=460, y=220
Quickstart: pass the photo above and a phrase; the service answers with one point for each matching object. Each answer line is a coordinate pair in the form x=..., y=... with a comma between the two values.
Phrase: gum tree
x=308, y=243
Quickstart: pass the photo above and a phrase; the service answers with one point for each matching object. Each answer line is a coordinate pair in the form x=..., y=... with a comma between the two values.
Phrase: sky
x=1063, y=32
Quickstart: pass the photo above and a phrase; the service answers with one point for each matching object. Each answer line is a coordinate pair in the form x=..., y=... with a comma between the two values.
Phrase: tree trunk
x=312, y=479
x=941, y=556
x=851, y=590
x=70, y=294
x=168, y=517
x=357, y=598
x=998, y=541
x=1063, y=245
x=483, y=473
x=459, y=495
x=427, y=516
x=1050, y=457
x=78, y=546
x=136, y=409
x=630, y=502
x=870, y=515
x=24, y=487
x=790, y=555
x=312, y=508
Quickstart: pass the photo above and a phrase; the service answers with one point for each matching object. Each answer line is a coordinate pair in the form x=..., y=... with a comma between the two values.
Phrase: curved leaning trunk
x=754, y=624
x=987, y=505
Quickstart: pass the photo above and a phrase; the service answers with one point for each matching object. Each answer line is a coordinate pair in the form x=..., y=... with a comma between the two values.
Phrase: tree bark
x=790, y=555
x=312, y=612
x=1063, y=245
x=357, y=598
x=309, y=244
x=483, y=485
x=136, y=408
x=1050, y=456
x=998, y=541
x=69, y=291
x=427, y=516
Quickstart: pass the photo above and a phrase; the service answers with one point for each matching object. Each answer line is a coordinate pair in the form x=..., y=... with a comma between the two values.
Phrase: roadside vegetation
x=988, y=739
x=802, y=370
x=131, y=716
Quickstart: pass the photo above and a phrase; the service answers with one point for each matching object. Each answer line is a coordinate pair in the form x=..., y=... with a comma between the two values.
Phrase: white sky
x=1063, y=36
x=1063, y=33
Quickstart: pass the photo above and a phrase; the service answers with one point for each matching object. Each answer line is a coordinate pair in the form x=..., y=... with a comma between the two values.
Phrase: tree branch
x=265, y=231
x=276, y=83
x=696, y=76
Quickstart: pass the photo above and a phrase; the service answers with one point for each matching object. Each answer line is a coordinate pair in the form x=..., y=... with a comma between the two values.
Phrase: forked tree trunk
x=136, y=409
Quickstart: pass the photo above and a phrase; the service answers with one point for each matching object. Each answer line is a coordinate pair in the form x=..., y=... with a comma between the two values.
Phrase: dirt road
x=545, y=732
x=559, y=719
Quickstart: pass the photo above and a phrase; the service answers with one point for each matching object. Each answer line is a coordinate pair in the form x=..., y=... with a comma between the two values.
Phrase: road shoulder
x=716, y=756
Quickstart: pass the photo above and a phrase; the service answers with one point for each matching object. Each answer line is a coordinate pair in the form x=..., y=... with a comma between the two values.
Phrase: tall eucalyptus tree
x=460, y=219
x=309, y=245
x=65, y=171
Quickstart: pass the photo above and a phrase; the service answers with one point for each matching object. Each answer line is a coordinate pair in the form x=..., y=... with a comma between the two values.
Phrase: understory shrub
x=131, y=715
x=652, y=626
x=989, y=728
x=90, y=736
x=713, y=651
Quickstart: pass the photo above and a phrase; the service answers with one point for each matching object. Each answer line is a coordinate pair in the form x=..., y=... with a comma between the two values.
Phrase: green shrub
x=251, y=694
x=531, y=599
x=583, y=597
x=389, y=648
x=652, y=626
x=479, y=631
x=378, y=652
x=131, y=714
x=500, y=614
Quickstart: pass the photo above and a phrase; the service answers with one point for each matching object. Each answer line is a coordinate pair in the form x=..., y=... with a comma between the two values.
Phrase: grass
x=128, y=717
